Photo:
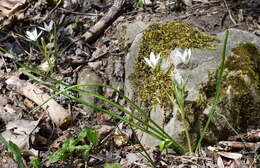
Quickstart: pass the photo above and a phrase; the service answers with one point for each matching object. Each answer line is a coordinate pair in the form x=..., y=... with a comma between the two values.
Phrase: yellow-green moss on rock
x=152, y=85
x=240, y=93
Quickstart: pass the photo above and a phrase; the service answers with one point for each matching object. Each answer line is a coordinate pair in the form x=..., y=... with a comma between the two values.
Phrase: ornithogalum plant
x=47, y=49
x=153, y=61
x=179, y=88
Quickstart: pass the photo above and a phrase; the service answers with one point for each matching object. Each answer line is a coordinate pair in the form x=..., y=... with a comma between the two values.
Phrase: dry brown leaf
x=18, y=132
x=57, y=113
x=220, y=162
x=187, y=2
x=8, y=7
x=231, y=155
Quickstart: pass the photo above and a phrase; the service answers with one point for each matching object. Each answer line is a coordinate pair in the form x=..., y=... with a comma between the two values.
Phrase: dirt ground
x=105, y=55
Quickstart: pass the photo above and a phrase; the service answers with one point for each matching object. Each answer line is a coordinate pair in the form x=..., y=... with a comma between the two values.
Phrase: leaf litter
x=104, y=56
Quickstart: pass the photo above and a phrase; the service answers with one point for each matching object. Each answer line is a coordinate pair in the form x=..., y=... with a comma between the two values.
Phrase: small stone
x=104, y=130
x=87, y=76
x=3, y=100
x=132, y=157
x=120, y=140
x=29, y=104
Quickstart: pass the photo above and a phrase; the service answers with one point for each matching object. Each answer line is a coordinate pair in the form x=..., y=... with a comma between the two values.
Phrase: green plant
x=217, y=95
x=149, y=127
x=71, y=145
x=140, y=3
x=179, y=90
x=48, y=50
x=114, y=165
x=156, y=63
x=35, y=162
x=14, y=149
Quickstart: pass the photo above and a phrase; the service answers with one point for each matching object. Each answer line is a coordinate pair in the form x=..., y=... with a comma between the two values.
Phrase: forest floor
x=105, y=56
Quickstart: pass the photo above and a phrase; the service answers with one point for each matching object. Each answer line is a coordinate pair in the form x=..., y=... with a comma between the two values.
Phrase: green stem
x=181, y=108
x=186, y=129
x=218, y=90
x=179, y=94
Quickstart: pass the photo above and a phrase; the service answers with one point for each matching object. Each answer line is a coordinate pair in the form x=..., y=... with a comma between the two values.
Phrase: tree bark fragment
x=56, y=112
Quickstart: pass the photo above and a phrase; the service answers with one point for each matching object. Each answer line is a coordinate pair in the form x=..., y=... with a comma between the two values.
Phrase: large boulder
x=240, y=94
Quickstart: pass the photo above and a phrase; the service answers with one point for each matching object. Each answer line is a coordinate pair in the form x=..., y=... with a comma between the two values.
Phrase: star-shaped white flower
x=153, y=60
x=33, y=36
x=47, y=28
x=184, y=57
x=165, y=65
x=178, y=79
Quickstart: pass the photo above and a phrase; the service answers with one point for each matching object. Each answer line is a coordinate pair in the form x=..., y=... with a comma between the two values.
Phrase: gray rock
x=135, y=28
x=129, y=30
x=85, y=76
x=129, y=66
x=202, y=62
x=132, y=157
x=156, y=116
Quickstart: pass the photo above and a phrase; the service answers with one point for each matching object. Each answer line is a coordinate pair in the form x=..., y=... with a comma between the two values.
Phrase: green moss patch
x=240, y=93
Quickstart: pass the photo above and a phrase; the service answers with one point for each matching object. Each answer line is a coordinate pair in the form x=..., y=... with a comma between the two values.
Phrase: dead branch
x=235, y=145
x=56, y=112
x=104, y=22
x=251, y=136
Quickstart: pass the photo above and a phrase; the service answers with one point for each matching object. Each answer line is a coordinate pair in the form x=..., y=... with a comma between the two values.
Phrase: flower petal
x=178, y=79
x=29, y=36
x=148, y=62
x=152, y=56
x=177, y=53
x=164, y=65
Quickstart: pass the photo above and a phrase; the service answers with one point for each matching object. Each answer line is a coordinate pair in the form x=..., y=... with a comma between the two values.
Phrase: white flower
x=33, y=36
x=184, y=57
x=165, y=65
x=178, y=79
x=47, y=28
x=145, y=2
x=153, y=60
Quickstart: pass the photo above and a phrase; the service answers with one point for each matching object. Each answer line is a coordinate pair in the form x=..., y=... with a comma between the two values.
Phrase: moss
x=152, y=85
x=243, y=84
x=240, y=93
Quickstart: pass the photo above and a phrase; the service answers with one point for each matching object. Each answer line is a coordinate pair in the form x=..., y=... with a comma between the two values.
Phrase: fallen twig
x=251, y=136
x=104, y=22
x=56, y=112
x=235, y=145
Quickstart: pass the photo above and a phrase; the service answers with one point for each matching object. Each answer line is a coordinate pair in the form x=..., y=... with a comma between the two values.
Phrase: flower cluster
x=34, y=35
x=178, y=83
x=176, y=77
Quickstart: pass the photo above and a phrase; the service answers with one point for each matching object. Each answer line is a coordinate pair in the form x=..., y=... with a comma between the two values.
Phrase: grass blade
x=15, y=150
x=218, y=90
